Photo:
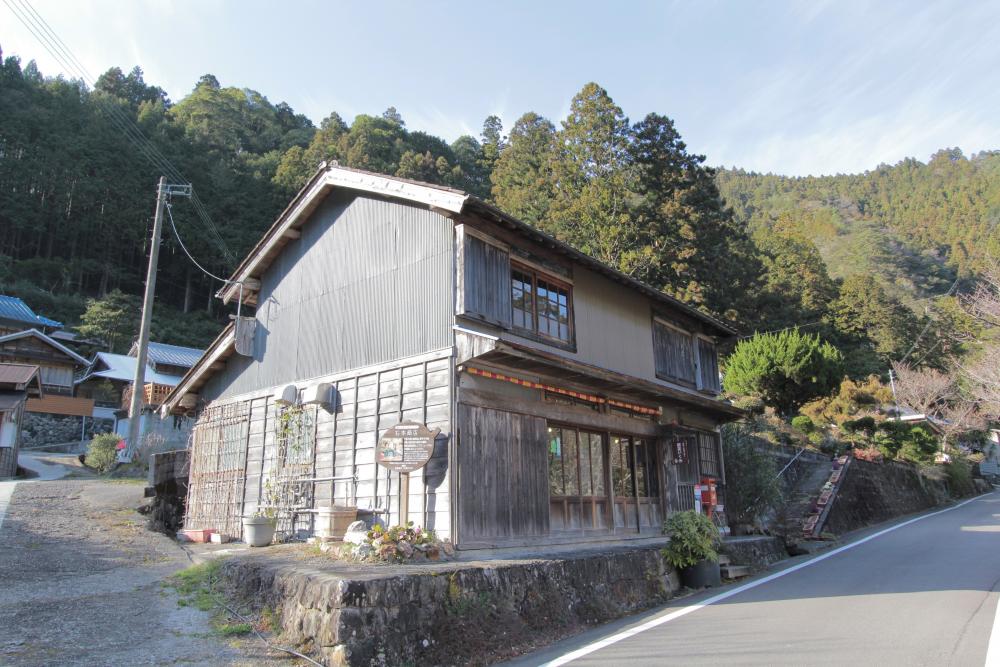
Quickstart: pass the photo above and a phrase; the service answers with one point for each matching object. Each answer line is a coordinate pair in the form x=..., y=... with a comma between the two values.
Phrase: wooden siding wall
x=502, y=468
x=368, y=403
x=369, y=281
x=482, y=268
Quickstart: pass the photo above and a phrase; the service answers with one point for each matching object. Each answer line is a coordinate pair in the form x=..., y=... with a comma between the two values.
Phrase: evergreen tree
x=785, y=370
x=522, y=179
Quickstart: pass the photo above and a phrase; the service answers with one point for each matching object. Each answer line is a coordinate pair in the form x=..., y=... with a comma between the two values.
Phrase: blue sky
x=798, y=88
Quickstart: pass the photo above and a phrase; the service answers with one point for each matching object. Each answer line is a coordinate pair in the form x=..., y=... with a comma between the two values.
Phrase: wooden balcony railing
x=153, y=395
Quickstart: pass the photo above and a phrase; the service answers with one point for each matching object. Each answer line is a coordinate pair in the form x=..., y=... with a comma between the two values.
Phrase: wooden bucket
x=332, y=522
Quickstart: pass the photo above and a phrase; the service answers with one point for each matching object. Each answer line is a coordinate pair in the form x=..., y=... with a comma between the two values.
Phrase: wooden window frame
x=533, y=333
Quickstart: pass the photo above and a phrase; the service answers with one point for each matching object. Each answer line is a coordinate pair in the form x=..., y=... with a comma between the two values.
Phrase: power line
x=927, y=326
x=173, y=226
x=58, y=49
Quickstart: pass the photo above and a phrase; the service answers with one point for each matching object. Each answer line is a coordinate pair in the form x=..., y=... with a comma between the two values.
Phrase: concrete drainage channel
x=474, y=612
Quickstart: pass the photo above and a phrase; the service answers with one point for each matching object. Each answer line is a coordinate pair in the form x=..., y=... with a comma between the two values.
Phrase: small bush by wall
x=102, y=452
x=959, y=475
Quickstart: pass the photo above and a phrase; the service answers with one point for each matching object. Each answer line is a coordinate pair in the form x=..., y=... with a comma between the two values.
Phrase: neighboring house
x=60, y=416
x=574, y=403
x=108, y=381
x=17, y=383
x=16, y=315
x=169, y=359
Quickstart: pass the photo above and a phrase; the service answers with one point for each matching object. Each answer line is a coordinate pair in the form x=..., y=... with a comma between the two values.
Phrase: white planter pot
x=258, y=531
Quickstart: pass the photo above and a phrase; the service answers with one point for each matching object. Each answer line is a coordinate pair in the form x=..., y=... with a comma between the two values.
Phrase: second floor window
x=540, y=304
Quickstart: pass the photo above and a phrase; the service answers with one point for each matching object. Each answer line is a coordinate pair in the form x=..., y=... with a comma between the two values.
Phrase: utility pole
x=163, y=191
x=892, y=383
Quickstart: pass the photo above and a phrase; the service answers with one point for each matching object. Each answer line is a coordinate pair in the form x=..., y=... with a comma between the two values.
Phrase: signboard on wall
x=680, y=451
x=406, y=447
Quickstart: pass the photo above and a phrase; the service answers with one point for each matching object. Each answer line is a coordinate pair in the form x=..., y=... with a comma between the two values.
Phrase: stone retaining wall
x=756, y=552
x=876, y=492
x=40, y=429
x=168, y=476
x=452, y=614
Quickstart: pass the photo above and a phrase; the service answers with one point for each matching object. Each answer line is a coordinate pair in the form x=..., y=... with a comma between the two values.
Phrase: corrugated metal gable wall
x=369, y=281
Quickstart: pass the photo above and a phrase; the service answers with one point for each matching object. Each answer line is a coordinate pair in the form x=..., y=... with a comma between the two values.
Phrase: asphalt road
x=922, y=591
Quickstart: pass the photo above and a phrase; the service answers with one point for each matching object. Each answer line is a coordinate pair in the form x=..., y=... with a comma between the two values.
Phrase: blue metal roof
x=12, y=308
x=173, y=355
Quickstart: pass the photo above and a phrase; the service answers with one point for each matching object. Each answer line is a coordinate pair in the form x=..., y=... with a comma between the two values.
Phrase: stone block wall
x=876, y=492
x=168, y=475
x=40, y=429
x=455, y=614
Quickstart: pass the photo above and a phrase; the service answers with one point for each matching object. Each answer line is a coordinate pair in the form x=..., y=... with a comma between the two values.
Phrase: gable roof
x=48, y=341
x=13, y=308
x=220, y=349
x=449, y=200
x=20, y=377
x=121, y=367
x=172, y=355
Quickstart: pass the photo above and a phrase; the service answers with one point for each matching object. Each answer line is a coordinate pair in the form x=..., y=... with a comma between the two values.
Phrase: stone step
x=730, y=571
x=724, y=559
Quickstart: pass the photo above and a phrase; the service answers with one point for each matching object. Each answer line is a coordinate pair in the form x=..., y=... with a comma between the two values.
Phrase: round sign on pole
x=406, y=447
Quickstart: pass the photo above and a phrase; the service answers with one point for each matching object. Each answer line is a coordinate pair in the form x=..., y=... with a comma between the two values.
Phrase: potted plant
x=258, y=528
x=692, y=548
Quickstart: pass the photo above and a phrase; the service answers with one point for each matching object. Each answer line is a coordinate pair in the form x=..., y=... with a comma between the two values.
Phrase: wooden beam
x=557, y=412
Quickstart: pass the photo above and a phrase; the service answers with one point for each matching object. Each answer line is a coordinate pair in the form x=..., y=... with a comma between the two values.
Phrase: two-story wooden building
x=575, y=404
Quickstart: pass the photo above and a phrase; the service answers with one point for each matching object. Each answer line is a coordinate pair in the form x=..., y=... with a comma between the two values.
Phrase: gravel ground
x=81, y=584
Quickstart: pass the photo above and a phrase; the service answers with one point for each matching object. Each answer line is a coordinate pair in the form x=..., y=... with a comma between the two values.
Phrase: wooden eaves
x=214, y=358
x=548, y=364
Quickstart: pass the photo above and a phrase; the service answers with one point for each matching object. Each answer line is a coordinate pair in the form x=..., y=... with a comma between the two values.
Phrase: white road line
x=993, y=652
x=684, y=611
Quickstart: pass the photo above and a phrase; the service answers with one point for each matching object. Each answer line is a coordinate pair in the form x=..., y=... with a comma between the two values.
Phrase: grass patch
x=233, y=629
x=198, y=586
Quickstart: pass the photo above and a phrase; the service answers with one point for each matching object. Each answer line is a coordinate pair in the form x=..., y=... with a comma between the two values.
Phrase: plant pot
x=332, y=522
x=703, y=574
x=258, y=531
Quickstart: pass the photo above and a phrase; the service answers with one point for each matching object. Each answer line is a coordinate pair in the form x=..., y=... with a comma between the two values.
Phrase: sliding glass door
x=577, y=480
x=601, y=481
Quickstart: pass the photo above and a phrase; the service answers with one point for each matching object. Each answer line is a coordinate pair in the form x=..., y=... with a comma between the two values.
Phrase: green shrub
x=803, y=423
x=752, y=484
x=959, y=478
x=919, y=446
x=102, y=452
x=693, y=538
x=786, y=369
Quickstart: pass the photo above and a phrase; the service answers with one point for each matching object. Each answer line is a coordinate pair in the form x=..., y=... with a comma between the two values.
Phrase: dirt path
x=80, y=583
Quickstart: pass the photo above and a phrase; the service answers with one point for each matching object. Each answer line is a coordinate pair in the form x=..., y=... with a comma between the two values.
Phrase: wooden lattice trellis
x=218, y=469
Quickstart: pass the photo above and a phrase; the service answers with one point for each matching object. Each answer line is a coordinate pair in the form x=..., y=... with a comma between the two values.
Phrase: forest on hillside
x=872, y=262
